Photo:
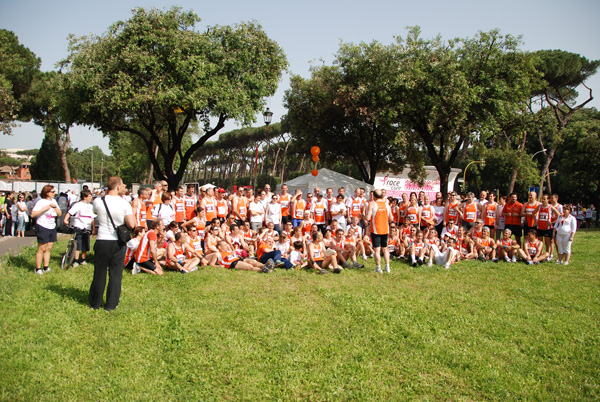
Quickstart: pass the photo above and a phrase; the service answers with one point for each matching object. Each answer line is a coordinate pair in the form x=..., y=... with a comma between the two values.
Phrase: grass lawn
x=476, y=332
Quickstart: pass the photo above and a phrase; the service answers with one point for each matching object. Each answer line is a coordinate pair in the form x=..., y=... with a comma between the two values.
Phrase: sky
x=309, y=32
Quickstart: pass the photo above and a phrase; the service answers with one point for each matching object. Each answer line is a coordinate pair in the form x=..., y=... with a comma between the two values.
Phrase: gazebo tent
x=325, y=178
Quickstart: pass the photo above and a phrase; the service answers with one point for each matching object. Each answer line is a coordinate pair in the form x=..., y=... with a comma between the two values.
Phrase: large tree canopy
x=154, y=75
x=450, y=94
x=345, y=110
x=18, y=66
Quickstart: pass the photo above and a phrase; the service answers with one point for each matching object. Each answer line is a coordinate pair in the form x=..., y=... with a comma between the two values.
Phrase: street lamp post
x=465, y=173
x=267, y=116
x=543, y=150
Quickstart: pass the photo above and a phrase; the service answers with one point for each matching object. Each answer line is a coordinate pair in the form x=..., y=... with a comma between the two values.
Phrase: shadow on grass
x=77, y=295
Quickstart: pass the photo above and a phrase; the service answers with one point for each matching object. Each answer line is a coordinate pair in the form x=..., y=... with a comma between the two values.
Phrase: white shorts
x=442, y=258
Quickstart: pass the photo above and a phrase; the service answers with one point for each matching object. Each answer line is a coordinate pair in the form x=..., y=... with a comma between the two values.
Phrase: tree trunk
x=513, y=177
x=546, y=166
x=62, y=149
x=444, y=173
x=283, y=163
x=151, y=172
x=275, y=162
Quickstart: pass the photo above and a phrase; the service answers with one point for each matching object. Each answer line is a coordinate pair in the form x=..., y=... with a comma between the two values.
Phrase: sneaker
x=47, y=269
x=420, y=261
x=365, y=257
x=551, y=257
x=84, y=263
x=402, y=256
x=75, y=264
x=378, y=270
x=269, y=265
x=297, y=267
x=536, y=263
x=323, y=272
x=39, y=272
x=566, y=263
x=136, y=269
x=482, y=257
x=414, y=263
x=558, y=262
x=192, y=269
x=279, y=263
x=495, y=260
x=387, y=269
x=184, y=271
x=447, y=266
x=529, y=262
x=337, y=270
x=430, y=264
x=506, y=258
x=348, y=265
x=514, y=259
x=357, y=265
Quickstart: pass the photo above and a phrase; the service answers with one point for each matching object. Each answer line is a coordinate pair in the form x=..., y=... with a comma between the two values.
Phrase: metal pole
x=465, y=173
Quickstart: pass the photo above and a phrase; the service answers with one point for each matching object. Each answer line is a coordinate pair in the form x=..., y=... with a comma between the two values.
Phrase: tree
x=578, y=158
x=563, y=72
x=51, y=108
x=153, y=75
x=448, y=94
x=18, y=66
x=344, y=109
x=47, y=164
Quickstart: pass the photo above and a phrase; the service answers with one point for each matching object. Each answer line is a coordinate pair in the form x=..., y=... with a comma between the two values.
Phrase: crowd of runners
x=184, y=229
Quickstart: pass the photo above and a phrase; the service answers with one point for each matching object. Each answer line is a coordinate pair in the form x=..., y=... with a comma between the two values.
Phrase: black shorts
x=45, y=235
x=233, y=264
x=82, y=238
x=468, y=225
x=490, y=227
x=319, y=263
x=545, y=233
x=516, y=230
x=286, y=219
x=379, y=240
x=148, y=265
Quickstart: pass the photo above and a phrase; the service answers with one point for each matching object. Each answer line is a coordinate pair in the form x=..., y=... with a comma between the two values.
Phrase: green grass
x=476, y=332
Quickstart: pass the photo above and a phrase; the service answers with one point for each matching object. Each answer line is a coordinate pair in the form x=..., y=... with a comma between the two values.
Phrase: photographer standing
x=112, y=210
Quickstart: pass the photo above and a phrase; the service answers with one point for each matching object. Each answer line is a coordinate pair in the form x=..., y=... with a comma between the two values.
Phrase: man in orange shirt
x=222, y=207
x=179, y=204
x=190, y=202
x=512, y=213
x=319, y=211
x=285, y=199
x=379, y=215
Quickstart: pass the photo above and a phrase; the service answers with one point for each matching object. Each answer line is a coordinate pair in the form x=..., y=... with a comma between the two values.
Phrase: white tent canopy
x=326, y=178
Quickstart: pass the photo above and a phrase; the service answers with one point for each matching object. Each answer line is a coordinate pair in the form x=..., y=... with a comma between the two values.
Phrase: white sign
x=396, y=185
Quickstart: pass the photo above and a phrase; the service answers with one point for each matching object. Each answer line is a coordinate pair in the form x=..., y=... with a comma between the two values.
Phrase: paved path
x=13, y=245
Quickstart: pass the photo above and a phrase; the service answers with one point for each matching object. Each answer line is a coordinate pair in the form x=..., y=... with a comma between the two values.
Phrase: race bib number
x=543, y=216
x=470, y=216
x=222, y=210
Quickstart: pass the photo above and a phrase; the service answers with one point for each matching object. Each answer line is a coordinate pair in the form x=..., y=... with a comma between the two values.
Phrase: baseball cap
x=221, y=190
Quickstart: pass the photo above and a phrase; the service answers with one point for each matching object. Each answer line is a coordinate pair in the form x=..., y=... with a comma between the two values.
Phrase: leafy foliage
x=154, y=75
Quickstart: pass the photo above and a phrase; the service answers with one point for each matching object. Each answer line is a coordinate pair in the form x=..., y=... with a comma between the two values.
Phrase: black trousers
x=108, y=255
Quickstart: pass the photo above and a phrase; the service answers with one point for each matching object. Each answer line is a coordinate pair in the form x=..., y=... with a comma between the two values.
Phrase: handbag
x=123, y=232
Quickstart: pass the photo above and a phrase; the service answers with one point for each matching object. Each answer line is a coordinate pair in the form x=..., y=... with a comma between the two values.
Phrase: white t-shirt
x=439, y=214
x=256, y=207
x=47, y=219
x=164, y=212
x=119, y=209
x=83, y=215
x=274, y=213
x=337, y=208
x=295, y=257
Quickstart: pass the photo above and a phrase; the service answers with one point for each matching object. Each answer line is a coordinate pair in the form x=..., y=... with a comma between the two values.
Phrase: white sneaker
x=84, y=263
x=46, y=269
x=75, y=264
x=566, y=263
x=136, y=269
x=39, y=272
x=378, y=270
x=387, y=269
x=514, y=259
x=365, y=257
x=430, y=264
x=506, y=258
x=447, y=266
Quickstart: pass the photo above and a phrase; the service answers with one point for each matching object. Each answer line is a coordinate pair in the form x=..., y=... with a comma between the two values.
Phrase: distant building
x=12, y=173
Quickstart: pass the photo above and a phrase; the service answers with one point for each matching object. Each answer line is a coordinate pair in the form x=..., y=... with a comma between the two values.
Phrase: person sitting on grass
x=226, y=258
x=507, y=247
x=417, y=250
x=351, y=243
x=450, y=230
x=338, y=244
x=445, y=254
x=533, y=253
x=464, y=245
x=213, y=233
x=267, y=251
x=176, y=255
x=318, y=259
x=148, y=254
x=195, y=243
x=132, y=245
x=486, y=246
x=296, y=256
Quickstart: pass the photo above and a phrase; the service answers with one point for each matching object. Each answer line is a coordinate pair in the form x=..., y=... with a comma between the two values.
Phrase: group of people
x=180, y=230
